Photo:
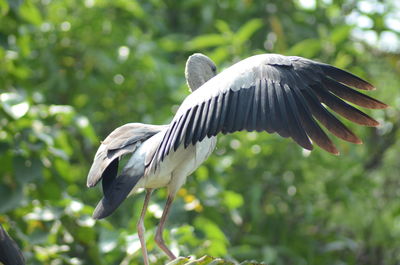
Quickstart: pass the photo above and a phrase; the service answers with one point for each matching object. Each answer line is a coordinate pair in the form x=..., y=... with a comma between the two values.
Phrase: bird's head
x=199, y=69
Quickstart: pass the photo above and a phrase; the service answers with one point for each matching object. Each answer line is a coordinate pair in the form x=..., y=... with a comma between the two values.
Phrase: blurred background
x=71, y=71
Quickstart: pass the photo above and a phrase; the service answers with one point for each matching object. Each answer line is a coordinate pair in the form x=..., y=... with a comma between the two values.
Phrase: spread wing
x=273, y=93
x=123, y=140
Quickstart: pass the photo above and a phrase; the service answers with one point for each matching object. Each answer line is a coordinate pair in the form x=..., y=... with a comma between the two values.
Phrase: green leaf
x=206, y=41
x=223, y=27
x=27, y=170
x=85, y=128
x=232, y=199
x=14, y=104
x=30, y=13
x=4, y=7
x=247, y=30
x=131, y=6
x=340, y=34
x=10, y=197
x=308, y=48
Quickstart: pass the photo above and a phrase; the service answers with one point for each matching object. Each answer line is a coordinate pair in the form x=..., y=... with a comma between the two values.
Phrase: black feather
x=297, y=130
x=211, y=117
x=265, y=118
x=174, y=134
x=345, y=77
x=109, y=175
x=181, y=131
x=189, y=130
x=196, y=124
x=224, y=112
x=312, y=128
x=231, y=112
x=352, y=95
x=254, y=107
x=334, y=125
x=344, y=109
x=281, y=109
x=204, y=120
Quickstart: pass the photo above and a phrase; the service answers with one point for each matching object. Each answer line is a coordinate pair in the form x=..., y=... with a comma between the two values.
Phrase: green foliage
x=71, y=71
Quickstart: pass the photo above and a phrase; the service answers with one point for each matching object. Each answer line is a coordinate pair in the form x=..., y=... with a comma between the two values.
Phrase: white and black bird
x=267, y=92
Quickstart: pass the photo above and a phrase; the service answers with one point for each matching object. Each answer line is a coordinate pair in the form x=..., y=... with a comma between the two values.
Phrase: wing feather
x=123, y=140
x=345, y=77
x=182, y=129
x=212, y=116
x=207, y=116
x=343, y=108
x=281, y=109
x=352, y=95
x=274, y=93
x=312, y=128
x=197, y=124
x=265, y=114
x=191, y=126
x=334, y=125
x=297, y=131
x=254, y=108
x=221, y=113
x=231, y=112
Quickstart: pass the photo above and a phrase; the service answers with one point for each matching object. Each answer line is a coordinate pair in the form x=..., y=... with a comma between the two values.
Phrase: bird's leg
x=159, y=237
x=140, y=226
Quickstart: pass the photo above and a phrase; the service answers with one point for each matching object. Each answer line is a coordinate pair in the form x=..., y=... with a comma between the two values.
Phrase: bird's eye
x=214, y=68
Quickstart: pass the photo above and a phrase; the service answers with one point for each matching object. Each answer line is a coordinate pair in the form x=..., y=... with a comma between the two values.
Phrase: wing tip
x=372, y=123
x=376, y=104
x=333, y=150
x=102, y=211
x=92, y=180
x=366, y=86
x=90, y=184
x=380, y=105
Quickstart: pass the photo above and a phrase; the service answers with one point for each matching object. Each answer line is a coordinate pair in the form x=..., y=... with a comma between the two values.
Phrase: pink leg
x=140, y=226
x=159, y=237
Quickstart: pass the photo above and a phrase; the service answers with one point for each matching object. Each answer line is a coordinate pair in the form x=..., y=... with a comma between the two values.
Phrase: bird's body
x=267, y=92
x=173, y=170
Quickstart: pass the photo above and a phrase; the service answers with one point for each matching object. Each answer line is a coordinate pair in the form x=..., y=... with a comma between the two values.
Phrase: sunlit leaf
x=232, y=199
x=14, y=104
x=4, y=7
x=247, y=30
x=341, y=33
x=223, y=27
x=307, y=48
x=206, y=41
x=30, y=12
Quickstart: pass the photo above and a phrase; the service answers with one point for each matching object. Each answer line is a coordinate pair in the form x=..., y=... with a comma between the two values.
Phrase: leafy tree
x=71, y=71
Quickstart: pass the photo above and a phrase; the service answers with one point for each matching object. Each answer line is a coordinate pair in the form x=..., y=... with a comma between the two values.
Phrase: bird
x=273, y=93
x=10, y=254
